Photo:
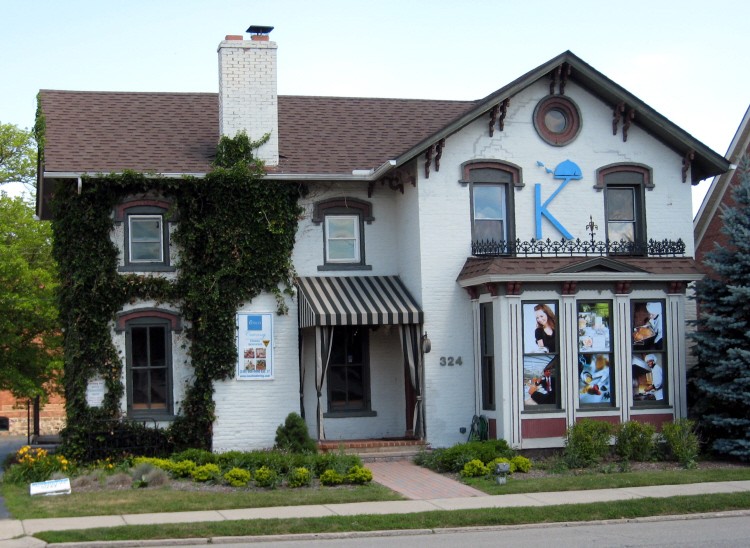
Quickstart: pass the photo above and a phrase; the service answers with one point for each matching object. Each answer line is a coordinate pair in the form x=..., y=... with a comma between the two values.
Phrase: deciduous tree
x=29, y=337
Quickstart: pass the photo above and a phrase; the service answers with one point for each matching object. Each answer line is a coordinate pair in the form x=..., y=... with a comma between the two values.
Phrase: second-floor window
x=624, y=203
x=342, y=239
x=344, y=220
x=146, y=238
x=491, y=202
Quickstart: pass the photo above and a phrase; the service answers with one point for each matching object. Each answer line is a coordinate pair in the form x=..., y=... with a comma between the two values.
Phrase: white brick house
x=427, y=221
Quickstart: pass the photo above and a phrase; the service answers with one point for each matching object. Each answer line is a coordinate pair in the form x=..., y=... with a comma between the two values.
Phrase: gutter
x=366, y=175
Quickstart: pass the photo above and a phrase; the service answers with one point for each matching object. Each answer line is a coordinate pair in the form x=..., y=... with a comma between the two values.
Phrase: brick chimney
x=247, y=90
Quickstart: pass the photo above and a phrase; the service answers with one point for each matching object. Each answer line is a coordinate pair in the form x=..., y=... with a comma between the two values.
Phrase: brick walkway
x=417, y=483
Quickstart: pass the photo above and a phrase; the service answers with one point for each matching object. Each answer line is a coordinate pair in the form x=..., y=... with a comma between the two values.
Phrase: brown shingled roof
x=178, y=132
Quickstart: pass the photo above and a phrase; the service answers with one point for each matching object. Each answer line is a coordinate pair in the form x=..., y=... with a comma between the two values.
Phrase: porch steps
x=376, y=450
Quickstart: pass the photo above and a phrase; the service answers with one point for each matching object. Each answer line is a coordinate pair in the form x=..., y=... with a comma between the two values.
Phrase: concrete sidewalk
x=19, y=529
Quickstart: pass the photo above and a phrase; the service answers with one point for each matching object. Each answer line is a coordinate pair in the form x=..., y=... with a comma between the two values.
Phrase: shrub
x=34, y=465
x=157, y=477
x=299, y=477
x=522, y=464
x=635, y=441
x=331, y=477
x=359, y=475
x=340, y=462
x=237, y=477
x=293, y=436
x=207, y=472
x=139, y=473
x=198, y=456
x=493, y=462
x=182, y=469
x=474, y=469
x=164, y=464
x=230, y=459
x=454, y=458
x=587, y=443
x=119, y=479
x=682, y=441
x=266, y=477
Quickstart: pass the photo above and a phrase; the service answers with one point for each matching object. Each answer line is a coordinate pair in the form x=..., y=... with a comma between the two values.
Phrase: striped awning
x=355, y=300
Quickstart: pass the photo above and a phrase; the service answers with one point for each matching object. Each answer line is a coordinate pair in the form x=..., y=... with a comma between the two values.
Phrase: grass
x=425, y=520
x=165, y=499
x=592, y=479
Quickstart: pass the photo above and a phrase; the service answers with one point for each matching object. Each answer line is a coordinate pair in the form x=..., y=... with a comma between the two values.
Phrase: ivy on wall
x=234, y=237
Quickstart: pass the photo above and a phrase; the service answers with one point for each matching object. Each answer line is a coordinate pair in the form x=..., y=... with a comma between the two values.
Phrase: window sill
x=145, y=416
x=349, y=414
x=542, y=410
x=649, y=405
x=147, y=268
x=344, y=266
x=597, y=408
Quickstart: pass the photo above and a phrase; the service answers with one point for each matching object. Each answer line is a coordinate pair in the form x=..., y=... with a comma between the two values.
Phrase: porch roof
x=355, y=300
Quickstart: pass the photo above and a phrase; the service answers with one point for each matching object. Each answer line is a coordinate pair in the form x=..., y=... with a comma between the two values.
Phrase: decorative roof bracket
x=439, y=149
x=686, y=161
x=395, y=181
x=559, y=78
x=618, y=113
x=428, y=160
x=493, y=118
x=503, y=111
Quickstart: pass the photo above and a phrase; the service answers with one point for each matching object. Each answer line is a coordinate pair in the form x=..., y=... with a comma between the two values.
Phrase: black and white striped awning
x=355, y=300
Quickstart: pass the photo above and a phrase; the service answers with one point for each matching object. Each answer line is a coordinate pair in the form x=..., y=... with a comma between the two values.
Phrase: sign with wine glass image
x=595, y=354
x=540, y=360
x=255, y=346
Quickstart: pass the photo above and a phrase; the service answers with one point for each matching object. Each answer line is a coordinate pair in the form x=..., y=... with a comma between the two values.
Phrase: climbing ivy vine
x=234, y=235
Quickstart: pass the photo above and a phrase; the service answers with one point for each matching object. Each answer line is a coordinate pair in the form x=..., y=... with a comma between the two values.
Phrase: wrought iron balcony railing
x=573, y=248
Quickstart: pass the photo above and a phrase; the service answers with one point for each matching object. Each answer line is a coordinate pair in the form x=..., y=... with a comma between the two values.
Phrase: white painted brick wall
x=247, y=93
x=249, y=411
x=382, y=239
x=445, y=229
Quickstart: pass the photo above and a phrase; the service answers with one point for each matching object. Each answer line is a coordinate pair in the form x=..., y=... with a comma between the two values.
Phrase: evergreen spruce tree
x=721, y=379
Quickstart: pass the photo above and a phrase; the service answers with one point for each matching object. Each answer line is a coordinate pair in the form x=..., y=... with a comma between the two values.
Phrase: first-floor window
x=596, y=384
x=348, y=372
x=149, y=367
x=649, y=360
x=541, y=363
x=486, y=342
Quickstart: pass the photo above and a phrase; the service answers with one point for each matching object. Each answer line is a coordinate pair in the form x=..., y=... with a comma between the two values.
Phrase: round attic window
x=557, y=120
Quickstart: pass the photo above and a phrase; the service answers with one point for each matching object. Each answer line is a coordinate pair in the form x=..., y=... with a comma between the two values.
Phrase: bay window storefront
x=609, y=347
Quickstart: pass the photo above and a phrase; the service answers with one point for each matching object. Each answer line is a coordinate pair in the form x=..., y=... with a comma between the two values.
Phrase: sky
x=684, y=58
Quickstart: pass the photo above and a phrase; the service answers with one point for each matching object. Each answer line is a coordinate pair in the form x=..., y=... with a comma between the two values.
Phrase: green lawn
x=426, y=520
x=164, y=499
x=598, y=480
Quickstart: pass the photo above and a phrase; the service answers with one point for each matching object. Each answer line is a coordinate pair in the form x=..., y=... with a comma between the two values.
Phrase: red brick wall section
x=542, y=428
x=51, y=417
x=656, y=420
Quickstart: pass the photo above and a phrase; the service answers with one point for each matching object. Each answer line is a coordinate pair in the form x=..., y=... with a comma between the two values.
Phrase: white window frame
x=160, y=218
x=357, y=241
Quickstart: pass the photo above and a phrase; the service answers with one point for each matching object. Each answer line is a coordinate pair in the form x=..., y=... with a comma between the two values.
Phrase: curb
x=384, y=533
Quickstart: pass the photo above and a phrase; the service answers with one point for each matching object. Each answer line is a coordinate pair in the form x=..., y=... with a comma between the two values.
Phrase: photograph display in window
x=649, y=358
x=541, y=365
x=595, y=367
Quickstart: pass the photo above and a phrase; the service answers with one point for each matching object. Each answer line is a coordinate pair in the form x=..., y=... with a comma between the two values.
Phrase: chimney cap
x=259, y=29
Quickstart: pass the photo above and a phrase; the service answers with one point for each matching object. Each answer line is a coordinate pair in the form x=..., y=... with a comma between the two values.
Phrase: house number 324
x=451, y=361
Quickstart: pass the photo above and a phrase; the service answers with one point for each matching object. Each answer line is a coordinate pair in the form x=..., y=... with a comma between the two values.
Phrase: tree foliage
x=17, y=155
x=29, y=337
x=721, y=379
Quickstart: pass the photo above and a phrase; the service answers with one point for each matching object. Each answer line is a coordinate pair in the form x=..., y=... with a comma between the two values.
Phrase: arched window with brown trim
x=624, y=200
x=491, y=184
